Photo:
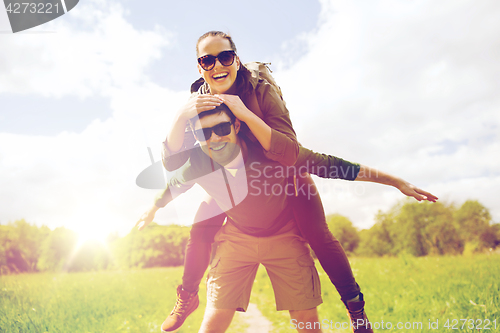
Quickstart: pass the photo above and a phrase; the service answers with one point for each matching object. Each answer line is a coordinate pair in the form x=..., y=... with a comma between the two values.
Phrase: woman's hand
x=198, y=104
x=195, y=105
x=259, y=128
x=236, y=105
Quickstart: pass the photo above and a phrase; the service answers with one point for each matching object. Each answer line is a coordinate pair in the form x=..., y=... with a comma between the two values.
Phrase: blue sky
x=406, y=87
x=175, y=68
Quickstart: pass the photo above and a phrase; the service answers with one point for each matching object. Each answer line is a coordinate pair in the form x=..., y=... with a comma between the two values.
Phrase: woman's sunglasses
x=226, y=58
x=222, y=129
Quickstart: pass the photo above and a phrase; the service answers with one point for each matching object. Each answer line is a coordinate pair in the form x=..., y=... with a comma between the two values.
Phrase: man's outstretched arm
x=161, y=201
x=147, y=217
x=368, y=174
x=182, y=181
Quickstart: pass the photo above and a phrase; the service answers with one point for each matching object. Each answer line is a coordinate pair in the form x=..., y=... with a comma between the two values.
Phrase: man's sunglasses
x=222, y=129
x=226, y=58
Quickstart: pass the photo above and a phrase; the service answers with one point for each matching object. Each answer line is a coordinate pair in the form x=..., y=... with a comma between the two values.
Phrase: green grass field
x=403, y=290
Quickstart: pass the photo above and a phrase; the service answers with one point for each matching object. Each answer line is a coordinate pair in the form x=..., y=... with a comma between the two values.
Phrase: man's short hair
x=223, y=108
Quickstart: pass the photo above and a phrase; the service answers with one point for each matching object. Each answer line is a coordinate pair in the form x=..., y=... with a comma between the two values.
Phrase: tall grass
x=407, y=290
x=403, y=289
x=109, y=301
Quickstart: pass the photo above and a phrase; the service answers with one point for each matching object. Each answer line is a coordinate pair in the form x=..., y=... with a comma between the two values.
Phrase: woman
x=226, y=80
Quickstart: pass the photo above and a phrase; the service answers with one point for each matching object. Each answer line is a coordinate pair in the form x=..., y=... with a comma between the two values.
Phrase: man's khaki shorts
x=288, y=262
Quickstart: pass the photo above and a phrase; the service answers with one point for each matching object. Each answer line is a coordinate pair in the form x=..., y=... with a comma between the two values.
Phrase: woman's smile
x=220, y=76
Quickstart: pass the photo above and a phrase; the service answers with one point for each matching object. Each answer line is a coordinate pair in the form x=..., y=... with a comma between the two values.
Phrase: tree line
x=420, y=229
x=412, y=228
x=28, y=248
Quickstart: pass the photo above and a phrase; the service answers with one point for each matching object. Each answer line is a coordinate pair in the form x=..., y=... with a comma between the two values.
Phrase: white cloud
x=85, y=180
x=93, y=48
x=407, y=87
x=88, y=178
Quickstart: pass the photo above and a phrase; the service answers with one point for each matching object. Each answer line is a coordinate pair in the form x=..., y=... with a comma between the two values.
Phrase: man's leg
x=306, y=320
x=216, y=320
x=230, y=278
x=294, y=278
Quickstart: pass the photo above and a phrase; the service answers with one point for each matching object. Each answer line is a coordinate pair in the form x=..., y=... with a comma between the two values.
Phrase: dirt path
x=255, y=320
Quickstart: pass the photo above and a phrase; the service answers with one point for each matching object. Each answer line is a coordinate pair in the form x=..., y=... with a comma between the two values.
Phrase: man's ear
x=237, y=125
x=200, y=70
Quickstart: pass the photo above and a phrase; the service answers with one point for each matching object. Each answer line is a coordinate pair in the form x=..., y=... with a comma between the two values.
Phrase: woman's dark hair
x=216, y=34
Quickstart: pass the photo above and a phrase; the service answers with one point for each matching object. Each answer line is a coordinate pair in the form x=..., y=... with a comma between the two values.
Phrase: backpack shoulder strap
x=260, y=71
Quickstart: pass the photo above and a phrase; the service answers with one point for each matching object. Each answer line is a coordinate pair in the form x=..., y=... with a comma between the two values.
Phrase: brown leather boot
x=186, y=303
x=357, y=315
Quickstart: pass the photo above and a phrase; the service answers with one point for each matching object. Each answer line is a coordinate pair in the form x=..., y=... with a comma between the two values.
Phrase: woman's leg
x=208, y=220
x=310, y=216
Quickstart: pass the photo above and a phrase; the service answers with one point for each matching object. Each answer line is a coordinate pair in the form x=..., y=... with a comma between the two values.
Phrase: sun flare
x=91, y=235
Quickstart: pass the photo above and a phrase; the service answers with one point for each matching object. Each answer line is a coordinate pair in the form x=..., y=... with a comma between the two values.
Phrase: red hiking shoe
x=186, y=303
x=357, y=315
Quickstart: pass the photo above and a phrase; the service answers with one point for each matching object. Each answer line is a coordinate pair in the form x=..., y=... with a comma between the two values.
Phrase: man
x=252, y=191
x=260, y=230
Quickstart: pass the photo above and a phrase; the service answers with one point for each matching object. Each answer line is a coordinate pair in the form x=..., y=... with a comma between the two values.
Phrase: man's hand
x=413, y=191
x=368, y=174
x=146, y=218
